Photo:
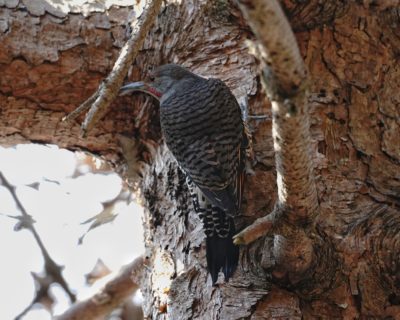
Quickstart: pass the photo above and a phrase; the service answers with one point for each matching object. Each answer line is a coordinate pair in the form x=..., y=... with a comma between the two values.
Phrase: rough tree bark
x=53, y=57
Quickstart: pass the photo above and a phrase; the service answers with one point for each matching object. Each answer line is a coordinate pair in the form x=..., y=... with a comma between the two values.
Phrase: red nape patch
x=155, y=92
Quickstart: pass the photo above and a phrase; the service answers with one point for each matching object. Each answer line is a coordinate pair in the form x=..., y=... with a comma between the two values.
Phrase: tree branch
x=100, y=101
x=285, y=79
x=110, y=297
x=52, y=269
x=277, y=43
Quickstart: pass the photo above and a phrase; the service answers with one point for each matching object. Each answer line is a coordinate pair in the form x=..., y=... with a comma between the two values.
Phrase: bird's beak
x=140, y=86
x=133, y=86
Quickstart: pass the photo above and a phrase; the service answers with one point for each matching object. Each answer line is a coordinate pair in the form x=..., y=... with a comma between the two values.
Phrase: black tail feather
x=222, y=254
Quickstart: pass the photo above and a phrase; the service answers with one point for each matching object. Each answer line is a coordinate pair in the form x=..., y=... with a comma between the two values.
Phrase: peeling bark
x=53, y=58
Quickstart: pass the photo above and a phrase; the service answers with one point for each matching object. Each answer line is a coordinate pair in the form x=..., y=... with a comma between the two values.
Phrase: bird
x=202, y=126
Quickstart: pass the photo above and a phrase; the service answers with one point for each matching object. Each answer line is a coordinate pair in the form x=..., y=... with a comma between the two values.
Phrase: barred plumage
x=202, y=126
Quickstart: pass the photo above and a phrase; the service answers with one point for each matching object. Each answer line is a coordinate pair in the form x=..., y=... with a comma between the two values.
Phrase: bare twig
x=26, y=221
x=107, y=215
x=82, y=108
x=42, y=285
x=25, y=311
x=111, y=296
x=100, y=101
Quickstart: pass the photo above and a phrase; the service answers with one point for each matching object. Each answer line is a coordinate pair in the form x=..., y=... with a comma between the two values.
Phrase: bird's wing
x=219, y=172
x=203, y=128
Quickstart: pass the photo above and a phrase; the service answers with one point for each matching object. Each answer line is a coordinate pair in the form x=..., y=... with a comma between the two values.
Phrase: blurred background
x=86, y=218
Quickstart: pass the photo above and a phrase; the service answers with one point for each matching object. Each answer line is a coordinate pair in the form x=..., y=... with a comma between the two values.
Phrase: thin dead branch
x=52, y=269
x=110, y=297
x=98, y=104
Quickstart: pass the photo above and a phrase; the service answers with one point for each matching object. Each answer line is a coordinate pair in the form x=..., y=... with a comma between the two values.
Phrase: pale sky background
x=59, y=210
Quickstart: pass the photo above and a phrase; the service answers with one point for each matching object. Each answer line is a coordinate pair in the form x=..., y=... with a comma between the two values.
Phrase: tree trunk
x=53, y=57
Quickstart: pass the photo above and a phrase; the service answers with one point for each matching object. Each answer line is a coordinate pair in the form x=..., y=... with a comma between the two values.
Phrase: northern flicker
x=202, y=126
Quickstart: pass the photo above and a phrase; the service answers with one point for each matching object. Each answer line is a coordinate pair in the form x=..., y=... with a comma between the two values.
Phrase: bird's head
x=160, y=81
